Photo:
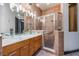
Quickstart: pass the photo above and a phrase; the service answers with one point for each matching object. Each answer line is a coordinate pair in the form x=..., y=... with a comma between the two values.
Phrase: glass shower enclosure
x=50, y=23
x=48, y=27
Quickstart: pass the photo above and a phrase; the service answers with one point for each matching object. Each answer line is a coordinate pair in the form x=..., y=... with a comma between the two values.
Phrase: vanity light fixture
x=30, y=3
x=15, y=7
x=37, y=5
x=47, y=3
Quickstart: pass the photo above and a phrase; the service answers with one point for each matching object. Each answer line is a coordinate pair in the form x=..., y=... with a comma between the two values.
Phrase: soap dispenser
x=11, y=31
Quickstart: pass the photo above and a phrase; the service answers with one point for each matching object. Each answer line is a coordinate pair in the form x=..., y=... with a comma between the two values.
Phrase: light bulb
x=37, y=5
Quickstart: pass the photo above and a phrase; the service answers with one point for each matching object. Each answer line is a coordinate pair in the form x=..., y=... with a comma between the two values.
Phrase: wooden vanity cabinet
x=31, y=46
x=38, y=42
x=15, y=53
x=35, y=44
x=10, y=49
x=24, y=48
x=24, y=51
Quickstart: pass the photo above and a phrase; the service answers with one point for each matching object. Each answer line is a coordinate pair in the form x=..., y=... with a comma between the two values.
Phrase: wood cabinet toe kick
x=23, y=48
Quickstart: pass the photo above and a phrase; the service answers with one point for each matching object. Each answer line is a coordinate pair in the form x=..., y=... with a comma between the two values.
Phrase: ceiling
x=44, y=6
x=26, y=6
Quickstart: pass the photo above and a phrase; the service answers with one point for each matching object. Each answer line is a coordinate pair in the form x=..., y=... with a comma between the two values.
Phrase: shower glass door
x=48, y=27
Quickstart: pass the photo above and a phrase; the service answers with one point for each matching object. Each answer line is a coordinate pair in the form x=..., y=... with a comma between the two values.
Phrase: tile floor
x=73, y=54
x=44, y=53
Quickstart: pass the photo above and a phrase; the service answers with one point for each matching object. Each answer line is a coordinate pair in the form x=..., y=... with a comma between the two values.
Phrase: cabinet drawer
x=24, y=51
x=10, y=48
x=15, y=53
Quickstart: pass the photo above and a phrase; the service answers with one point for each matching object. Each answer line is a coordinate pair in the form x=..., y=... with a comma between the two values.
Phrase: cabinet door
x=24, y=51
x=31, y=48
x=31, y=52
x=15, y=53
x=37, y=43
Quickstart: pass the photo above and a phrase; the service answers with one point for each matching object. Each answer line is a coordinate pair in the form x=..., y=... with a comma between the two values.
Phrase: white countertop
x=18, y=38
